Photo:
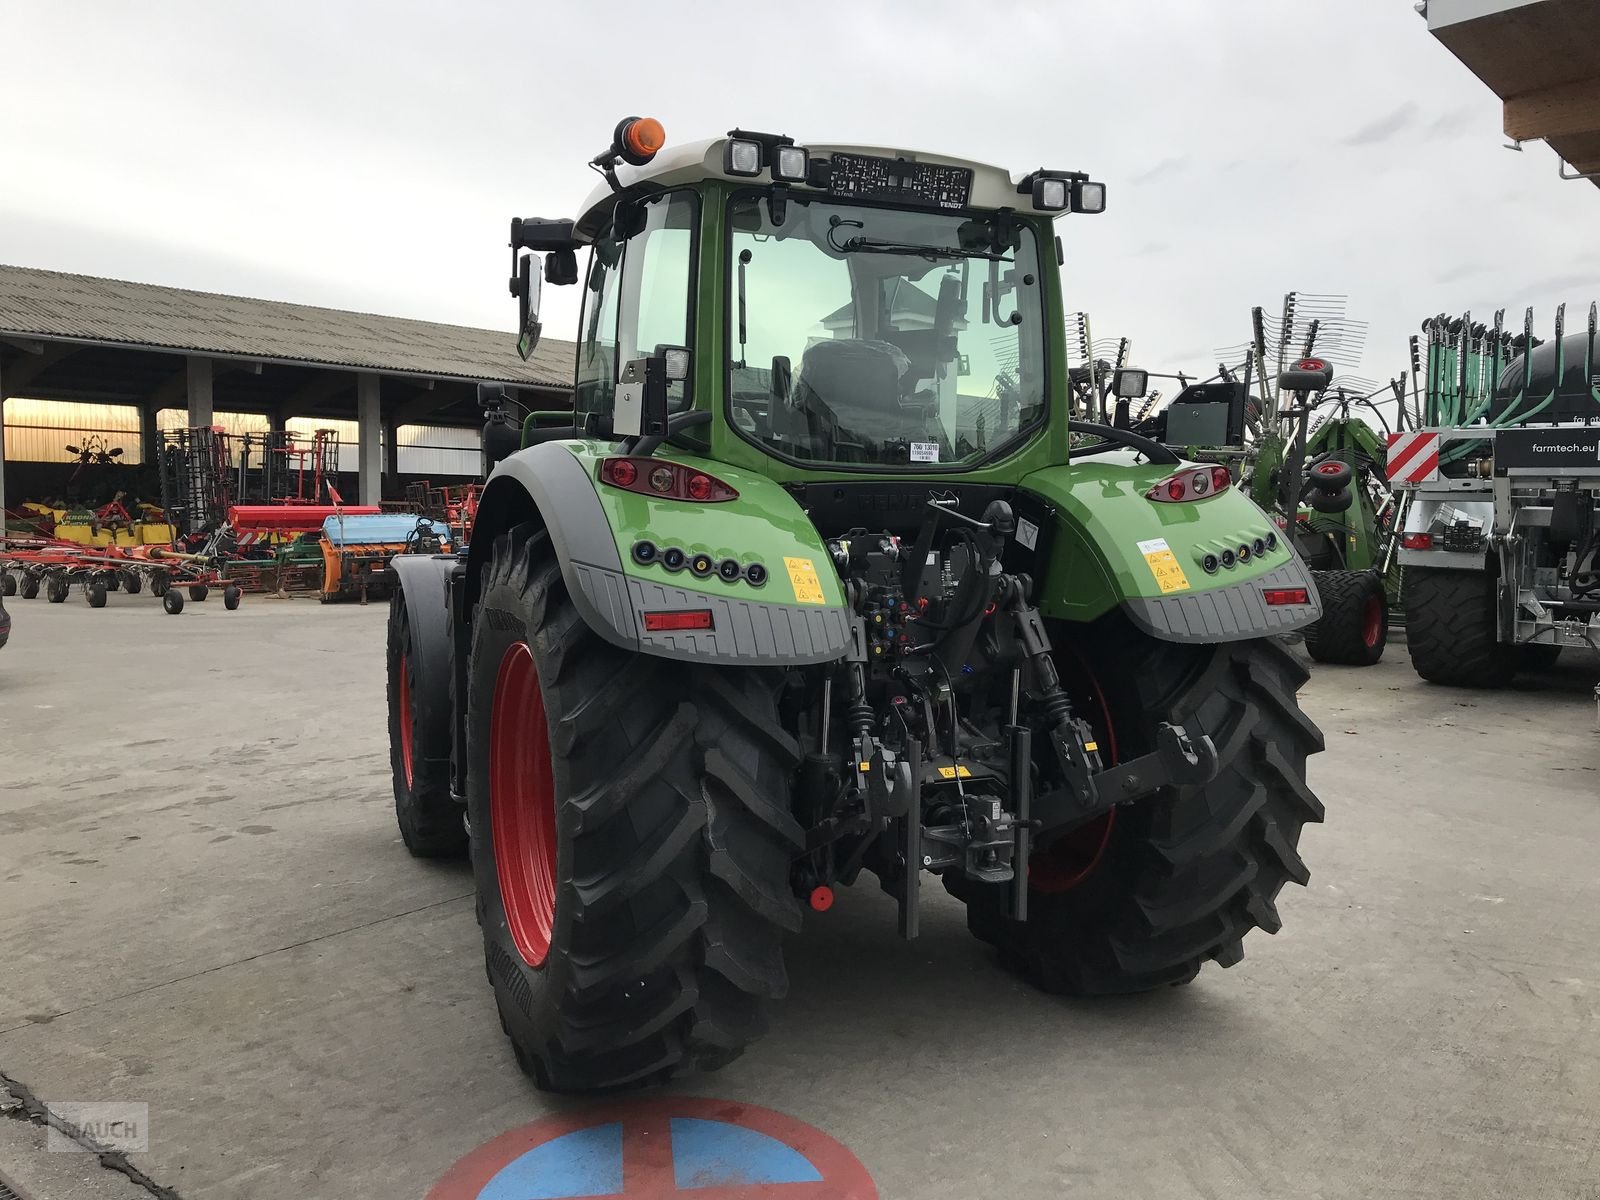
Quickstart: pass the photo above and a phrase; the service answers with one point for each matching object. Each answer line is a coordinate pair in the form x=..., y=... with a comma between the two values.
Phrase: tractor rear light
x=1228, y=559
x=1210, y=563
x=1244, y=553
x=702, y=565
x=1417, y=541
x=1195, y=483
x=1277, y=596
x=742, y=157
x=664, y=480
x=1258, y=547
x=755, y=574
x=673, y=559
x=669, y=622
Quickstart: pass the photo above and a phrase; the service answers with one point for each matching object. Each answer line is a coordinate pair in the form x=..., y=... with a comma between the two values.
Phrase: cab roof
x=688, y=162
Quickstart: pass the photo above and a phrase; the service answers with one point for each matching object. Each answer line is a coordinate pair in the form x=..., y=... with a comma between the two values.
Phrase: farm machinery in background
x=1295, y=438
x=1501, y=545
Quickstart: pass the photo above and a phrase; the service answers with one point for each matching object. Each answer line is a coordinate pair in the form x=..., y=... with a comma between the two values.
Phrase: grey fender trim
x=1228, y=614
x=580, y=535
x=745, y=631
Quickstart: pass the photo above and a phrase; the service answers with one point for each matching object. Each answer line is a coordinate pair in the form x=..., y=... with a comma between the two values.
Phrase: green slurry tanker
x=807, y=585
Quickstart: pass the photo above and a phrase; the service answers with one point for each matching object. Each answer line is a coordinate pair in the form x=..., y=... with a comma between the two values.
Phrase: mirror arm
x=677, y=423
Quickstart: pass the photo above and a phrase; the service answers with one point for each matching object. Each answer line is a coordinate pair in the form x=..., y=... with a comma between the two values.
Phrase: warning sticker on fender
x=1164, y=565
x=803, y=578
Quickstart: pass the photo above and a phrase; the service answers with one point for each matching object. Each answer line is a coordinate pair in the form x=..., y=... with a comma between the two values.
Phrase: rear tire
x=432, y=825
x=656, y=795
x=1450, y=629
x=1178, y=880
x=1354, y=626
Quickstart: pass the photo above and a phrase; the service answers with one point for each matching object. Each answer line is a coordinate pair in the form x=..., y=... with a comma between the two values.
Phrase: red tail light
x=1196, y=483
x=1417, y=541
x=664, y=480
x=668, y=622
x=1277, y=596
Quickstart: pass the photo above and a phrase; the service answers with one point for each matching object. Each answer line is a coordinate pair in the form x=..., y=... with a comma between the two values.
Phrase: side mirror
x=1129, y=383
x=561, y=267
x=525, y=287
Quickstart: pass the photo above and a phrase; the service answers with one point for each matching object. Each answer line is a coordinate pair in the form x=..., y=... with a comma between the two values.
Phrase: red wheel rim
x=1372, y=627
x=406, y=734
x=522, y=813
x=1073, y=858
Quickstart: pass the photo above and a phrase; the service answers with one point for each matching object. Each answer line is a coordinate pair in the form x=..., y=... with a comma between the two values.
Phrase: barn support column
x=199, y=391
x=369, y=434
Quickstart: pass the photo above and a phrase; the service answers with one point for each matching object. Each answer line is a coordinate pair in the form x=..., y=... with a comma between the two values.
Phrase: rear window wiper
x=861, y=245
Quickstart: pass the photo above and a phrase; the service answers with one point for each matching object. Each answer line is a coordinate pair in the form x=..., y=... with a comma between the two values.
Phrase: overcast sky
x=368, y=155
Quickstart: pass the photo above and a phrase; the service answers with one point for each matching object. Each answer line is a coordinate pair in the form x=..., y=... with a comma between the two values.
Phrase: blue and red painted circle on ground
x=660, y=1146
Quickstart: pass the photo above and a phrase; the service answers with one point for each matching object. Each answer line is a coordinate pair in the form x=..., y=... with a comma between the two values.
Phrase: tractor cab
x=826, y=306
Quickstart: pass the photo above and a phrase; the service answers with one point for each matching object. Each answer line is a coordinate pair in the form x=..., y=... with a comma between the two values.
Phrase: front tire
x=1450, y=629
x=1354, y=626
x=631, y=839
x=432, y=824
x=1167, y=883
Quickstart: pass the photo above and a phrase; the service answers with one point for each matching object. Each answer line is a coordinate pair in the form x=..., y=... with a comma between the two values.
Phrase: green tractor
x=805, y=586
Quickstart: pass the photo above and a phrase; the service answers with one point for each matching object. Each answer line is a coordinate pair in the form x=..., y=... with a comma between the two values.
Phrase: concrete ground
x=204, y=907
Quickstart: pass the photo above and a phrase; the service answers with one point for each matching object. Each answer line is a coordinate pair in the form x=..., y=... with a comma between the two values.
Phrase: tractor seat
x=850, y=389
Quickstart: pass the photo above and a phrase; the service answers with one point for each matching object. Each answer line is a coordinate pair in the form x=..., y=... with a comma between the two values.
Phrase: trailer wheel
x=231, y=595
x=8, y=583
x=432, y=824
x=131, y=583
x=1538, y=656
x=631, y=839
x=29, y=587
x=1354, y=626
x=1450, y=628
x=1145, y=896
x=110, y=580
x=172, y=601
x=56, y=588
x=198, y=592
x=1331, y=475
x=94, y=591
x=159, y=583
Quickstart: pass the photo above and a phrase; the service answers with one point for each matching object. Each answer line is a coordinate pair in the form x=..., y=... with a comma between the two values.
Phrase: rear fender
x=1114, y=547
x=592, y=529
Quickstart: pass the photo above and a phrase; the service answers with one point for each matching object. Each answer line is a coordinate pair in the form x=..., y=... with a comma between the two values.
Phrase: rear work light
x=669, y=622
x=1196, y=483
x=664, y=480
x=1277, y=596
x=1417, y=541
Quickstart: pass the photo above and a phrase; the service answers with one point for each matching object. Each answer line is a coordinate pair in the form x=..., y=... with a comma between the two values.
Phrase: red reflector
x=821, y=898
x=1417, y=541
x=1196, y=483
x=1286, y=596
x=689, y=618
x=664, y=480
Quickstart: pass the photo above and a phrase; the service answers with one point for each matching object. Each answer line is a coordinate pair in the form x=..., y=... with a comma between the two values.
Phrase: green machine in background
x=1298, y=444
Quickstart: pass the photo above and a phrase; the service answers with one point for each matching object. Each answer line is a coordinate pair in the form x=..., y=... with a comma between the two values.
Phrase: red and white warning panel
x=1413, y=457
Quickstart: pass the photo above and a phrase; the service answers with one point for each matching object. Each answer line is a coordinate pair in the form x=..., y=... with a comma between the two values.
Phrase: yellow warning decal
x=803, y=578
x=1164, y=565
x=1091, y=747
x=952, y=772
